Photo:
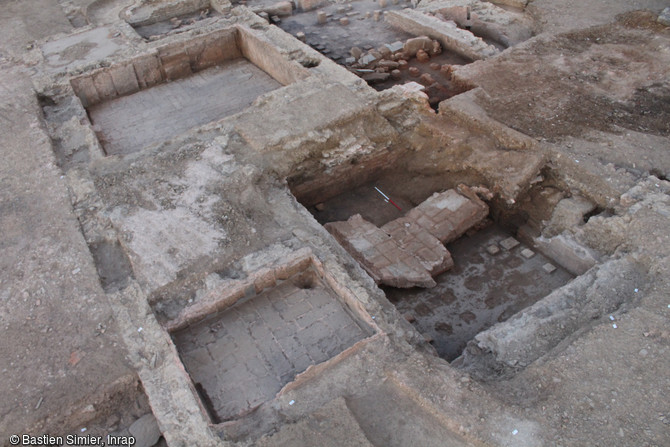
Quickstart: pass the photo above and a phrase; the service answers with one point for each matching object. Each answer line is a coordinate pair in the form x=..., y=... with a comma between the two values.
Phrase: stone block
x=388, y=64
x=664, y=17
x=426, y=79
x=367, y=60
x=460, y=41
x=395, y=46
x=85, y=90
x=373, y=78
x=567, y=252
x=104, y=85
x=176, y=63
x=308, y=5
x=124, y=79
x=321, y=17
x=527, y=253
x=385, y=52
x=413, y=45
x=567, y=214
x=549, y=268
x=509, y=243
x=145, y=431
x=280, y=9
x=148, y=71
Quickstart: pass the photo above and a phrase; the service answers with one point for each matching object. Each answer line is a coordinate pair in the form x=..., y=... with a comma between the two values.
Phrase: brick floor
x=379, y=254
x=409, y=251
x=244, y=355
x=414, y=239
x=132, y=122
x=447, y=215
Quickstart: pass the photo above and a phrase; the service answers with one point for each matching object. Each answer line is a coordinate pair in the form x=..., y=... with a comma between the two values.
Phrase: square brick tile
x=493, y=249
x=297, y=305
x=320, y=298
x=291, y=347
x=257, y=367
x=309, y=318
x=260, y=332
x=287, y=329
x=509, y=243
x=527, y=253
x=222, y=351
x=312, y=334
x=301, y=363
x=549, y=268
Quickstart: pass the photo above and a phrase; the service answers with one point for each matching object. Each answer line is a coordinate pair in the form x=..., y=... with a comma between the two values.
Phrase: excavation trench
x=357, y=36
x=184, y=85
x=262, y=333
x=493, y=277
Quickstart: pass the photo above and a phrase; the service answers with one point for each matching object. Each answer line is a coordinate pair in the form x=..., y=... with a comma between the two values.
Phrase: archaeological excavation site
x=324, y=223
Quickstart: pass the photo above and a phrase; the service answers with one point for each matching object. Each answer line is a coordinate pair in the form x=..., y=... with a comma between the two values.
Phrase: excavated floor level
x=488, y=284
x=130, y=123
x=334, y=39
x=367, y=202
x=261, y=344
x=360, y=26
x=494, y=275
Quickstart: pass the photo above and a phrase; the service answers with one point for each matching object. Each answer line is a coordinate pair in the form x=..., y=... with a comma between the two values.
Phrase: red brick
x=104, y=85
x=124, y=79
x=264, y=280
x=148, y=71
x=175, y=63
x=85, y=89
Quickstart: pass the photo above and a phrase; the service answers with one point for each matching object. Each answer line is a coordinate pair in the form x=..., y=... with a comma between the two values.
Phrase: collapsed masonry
x=409, y=251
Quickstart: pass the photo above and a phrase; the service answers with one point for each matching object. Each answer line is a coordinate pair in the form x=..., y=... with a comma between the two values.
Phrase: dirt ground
x=601, y=86
x=102, y=254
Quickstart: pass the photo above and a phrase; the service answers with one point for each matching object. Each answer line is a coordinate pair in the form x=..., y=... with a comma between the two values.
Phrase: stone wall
x=166, y=63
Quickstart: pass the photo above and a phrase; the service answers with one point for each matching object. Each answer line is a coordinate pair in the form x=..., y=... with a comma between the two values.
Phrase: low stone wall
x=449, y=35
x=166, y=63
